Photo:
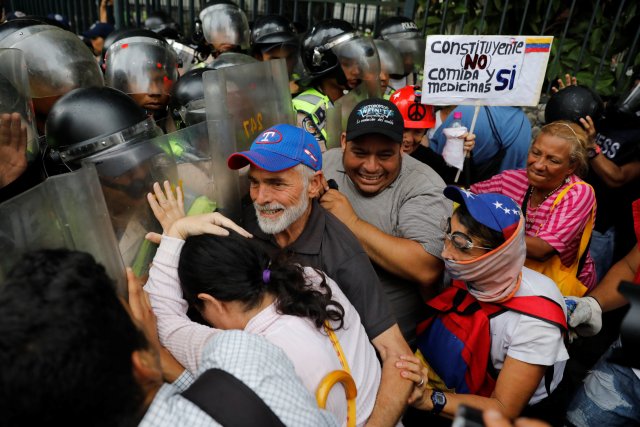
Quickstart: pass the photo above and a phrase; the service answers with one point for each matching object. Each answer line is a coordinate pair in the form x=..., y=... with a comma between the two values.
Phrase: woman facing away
x=233, y=283
x=559, y=207
x=484, y=252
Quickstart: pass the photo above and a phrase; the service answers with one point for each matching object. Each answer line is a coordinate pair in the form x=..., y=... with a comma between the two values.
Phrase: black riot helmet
x=317, y=54
x=573, y=103
x=90, y=120
x=272, y=30
x=398, y=27
x=187, y=99
x=333, y=48
x=162, y=24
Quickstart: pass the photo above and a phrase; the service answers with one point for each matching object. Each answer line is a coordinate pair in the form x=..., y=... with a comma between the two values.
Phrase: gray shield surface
x=65, y=211
x=338, y=115
x=242, y=101
x=127, y=174
x=200, y=173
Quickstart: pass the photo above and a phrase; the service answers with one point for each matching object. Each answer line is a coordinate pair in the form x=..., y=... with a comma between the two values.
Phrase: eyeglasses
x=458, y=239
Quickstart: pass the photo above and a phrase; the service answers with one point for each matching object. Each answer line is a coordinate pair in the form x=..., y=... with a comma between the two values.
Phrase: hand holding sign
x=485, y=70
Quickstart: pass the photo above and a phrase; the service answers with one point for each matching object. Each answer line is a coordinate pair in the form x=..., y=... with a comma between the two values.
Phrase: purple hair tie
x=266, y=275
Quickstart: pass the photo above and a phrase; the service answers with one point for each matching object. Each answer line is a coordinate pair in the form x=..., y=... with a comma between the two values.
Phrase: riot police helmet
x=87, y=121
x=333, y=48
x=573, y=103
x=225, y=26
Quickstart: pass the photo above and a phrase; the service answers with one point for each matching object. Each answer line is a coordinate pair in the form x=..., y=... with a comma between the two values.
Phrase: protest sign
x=484, y=70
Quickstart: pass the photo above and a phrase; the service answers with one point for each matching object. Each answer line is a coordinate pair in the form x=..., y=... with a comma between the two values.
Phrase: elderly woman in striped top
x=559, y=207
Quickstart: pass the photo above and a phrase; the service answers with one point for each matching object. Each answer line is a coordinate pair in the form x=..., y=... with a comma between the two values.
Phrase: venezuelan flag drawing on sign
x=538, y=44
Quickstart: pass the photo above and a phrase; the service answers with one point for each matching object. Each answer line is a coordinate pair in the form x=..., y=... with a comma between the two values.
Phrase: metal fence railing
x=596, y=40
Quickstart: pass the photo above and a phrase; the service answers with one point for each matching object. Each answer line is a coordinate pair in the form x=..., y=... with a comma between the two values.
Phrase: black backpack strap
x=229, y=401
x=548, y=378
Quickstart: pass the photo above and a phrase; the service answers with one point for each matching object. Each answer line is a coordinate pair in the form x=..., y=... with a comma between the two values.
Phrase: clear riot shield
x=412, y=52
x=241, y=102
x=15, y=95
x=57, y=61
x=127, y=174
x=201, y=168
x=338, y=115
x=65, y=211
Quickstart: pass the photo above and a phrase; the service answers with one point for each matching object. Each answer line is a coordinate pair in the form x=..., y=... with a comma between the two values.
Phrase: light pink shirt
x=562, y=229
x=309, y=348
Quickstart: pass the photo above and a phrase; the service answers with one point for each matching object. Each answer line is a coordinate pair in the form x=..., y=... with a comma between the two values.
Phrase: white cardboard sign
x=485, y=70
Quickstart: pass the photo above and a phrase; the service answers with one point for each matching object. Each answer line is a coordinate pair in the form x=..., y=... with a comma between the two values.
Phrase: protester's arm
x=394, y=390
x=613, y=175
x=539, y=249
x=403, y=257
x=13, y=147
x=515, y=385
x=103, y=10
x=606, y=293
x=142, y=312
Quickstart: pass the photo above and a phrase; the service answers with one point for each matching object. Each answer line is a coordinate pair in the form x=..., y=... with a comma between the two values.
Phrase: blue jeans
x=601, y=250
x=610, y=396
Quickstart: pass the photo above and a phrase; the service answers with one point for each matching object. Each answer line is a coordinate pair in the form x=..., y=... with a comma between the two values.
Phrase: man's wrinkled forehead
x=265, y=175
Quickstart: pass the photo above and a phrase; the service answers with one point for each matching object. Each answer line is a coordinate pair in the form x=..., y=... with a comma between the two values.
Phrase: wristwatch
x=592, y=152
x=438, y=399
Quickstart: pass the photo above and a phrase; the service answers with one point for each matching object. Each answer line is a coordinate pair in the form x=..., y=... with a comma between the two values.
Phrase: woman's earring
x=567, y=180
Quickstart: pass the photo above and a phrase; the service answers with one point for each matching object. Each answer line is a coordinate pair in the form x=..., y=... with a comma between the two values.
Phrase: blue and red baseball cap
x=279, y=148
x=496, y=211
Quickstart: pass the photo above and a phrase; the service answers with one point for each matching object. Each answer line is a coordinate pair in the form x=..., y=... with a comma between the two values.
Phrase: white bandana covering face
x=496, y=275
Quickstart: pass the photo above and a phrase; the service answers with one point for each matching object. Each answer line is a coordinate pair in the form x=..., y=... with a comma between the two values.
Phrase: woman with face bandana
x=484, y=253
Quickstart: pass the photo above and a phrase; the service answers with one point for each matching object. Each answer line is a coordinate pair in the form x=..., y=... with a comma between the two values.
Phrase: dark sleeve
x=360, y=283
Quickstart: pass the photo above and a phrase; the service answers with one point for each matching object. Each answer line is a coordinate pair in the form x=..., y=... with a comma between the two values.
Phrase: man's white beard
x=284, y=221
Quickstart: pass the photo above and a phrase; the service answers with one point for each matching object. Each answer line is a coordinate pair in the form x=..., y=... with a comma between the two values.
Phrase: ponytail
x=296, y=297
x=234, y=268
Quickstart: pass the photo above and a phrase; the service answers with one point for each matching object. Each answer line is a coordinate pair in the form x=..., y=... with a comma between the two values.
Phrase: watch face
x=439, y=398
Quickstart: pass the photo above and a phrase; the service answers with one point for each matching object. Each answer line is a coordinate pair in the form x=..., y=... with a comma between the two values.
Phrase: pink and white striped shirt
x=563, y=227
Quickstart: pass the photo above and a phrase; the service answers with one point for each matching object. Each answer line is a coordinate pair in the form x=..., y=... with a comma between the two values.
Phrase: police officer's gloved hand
x=584, y=315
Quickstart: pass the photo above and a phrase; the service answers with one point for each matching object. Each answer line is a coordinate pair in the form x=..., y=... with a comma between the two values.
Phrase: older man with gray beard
x=285, y=175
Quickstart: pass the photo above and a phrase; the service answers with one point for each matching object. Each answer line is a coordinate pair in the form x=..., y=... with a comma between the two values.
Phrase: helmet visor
x=359, y=60
x=390, y=59
x=57, y=60
x=141, y=65
x=14, y=96
x=630, y=104
x=225, y=24
x=412, y=54
x=139, y=132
